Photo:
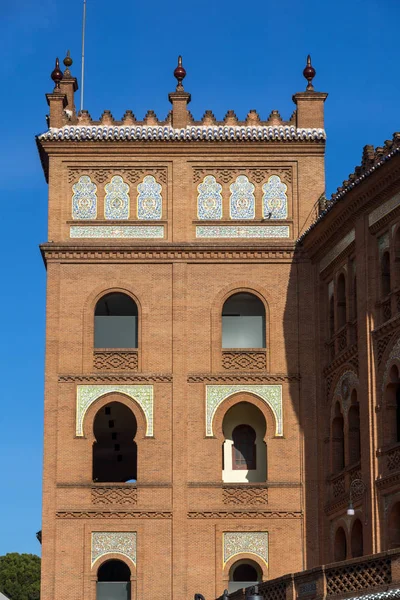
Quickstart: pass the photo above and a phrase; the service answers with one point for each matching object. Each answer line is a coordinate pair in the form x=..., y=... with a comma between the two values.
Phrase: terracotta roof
x=372, y=159
x=82, y=133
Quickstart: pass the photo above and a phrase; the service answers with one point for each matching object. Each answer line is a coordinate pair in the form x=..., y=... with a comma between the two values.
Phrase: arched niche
x=244, y=448
x=340, y=545
x=244, y=573
x=142, y=395
x=270, y=395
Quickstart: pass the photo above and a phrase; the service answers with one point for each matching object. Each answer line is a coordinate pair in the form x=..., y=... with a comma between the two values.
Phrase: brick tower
x=180, y=375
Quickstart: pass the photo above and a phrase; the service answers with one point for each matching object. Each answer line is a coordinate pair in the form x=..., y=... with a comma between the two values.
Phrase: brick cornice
x=169, y=253
x=388, y=327
x=244, y=514
x=241, y=377
x=113, y=514
x=343, y=358
x=116, y=378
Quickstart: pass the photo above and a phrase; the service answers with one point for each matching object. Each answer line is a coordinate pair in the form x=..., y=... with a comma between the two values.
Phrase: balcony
x=345, y=337
x=339, y=484
x=389, y=306
x=347, y=579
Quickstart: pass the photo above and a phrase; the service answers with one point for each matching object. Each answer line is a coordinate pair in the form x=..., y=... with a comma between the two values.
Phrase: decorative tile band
x=242, y=231
x=112, y=542
x=87, y=394
x=383, y=210
x=117, y=231
x=270, y=394
x=240, y=542
x=336, y=250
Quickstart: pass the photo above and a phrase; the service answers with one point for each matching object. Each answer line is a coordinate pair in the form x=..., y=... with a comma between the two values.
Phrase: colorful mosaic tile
x=116, y=201
x=270, y=394
x=149, y=199
x=117, y=231
x=113, y=542
x=209, y=199
x=241, y=542
x=242, y=203
x=87, y=394
x=84, y=199
x=242, y=231
x=274, y=198
x=347, y=382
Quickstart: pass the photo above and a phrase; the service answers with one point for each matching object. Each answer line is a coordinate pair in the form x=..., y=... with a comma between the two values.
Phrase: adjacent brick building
x=223, y=350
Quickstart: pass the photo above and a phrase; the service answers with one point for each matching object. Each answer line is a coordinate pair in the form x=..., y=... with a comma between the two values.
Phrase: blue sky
x=238, y=56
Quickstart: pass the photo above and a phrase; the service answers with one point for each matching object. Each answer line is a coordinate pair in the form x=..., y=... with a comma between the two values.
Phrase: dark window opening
x=116, y=322
x=341, y=301
x=337, y=441
x=113, y=581
x=244, y=448
x=357, y=543
x=244, y=574
x=340, y=548
x=108, y=466
x=243, y=322
x=385, y=274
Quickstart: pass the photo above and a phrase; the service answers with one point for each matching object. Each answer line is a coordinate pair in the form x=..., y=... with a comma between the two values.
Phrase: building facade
x=222, y=350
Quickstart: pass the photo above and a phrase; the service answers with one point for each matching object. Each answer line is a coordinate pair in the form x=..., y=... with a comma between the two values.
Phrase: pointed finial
x=180, y=73
x=309, y=73
x=56, y=74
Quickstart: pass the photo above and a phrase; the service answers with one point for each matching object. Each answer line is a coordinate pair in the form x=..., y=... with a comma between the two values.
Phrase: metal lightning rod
x=83, y=52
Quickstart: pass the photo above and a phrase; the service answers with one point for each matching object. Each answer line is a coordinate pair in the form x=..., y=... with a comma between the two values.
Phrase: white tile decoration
x=87, y=394
x=158, y=133
x=274, y=198
x=242, y=201
x=209, y=199
x=116, y=201
x=84, y=199
x=245, y=542
x=384, y=209
x=117, y=231
x=336, y=250
x=242, y=231
x=149, y=199
x=270, y=394
x=113, y=542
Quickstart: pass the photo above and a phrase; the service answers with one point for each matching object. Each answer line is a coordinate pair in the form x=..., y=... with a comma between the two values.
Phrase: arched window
x=354, y=429
x=397, y=256
x=114, y=451
x=341, y=301
x=337, y=441
x=331, y=317
x=392, y=401
x=244, y=449
x=393, y=527
x=357, y=543
x=244, y=573
x=340, y=545
x=355, y=298
x=113, y=581
x=385, y=274
x=116, y=322
x=243, y=322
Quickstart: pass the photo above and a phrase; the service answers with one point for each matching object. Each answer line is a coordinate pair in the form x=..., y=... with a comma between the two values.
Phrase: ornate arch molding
x=270, y=394
x=236, y=543
x=343, y=388
x=86, y=395
x=112, y=542
x=393, y=359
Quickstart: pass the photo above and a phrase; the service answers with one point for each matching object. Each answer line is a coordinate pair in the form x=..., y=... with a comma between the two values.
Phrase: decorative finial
x=67, y=62
x=180, y=73
x=309, y=73
x=56, y=74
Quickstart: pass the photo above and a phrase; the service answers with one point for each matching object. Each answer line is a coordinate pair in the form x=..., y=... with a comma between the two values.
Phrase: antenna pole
x=83, y=52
